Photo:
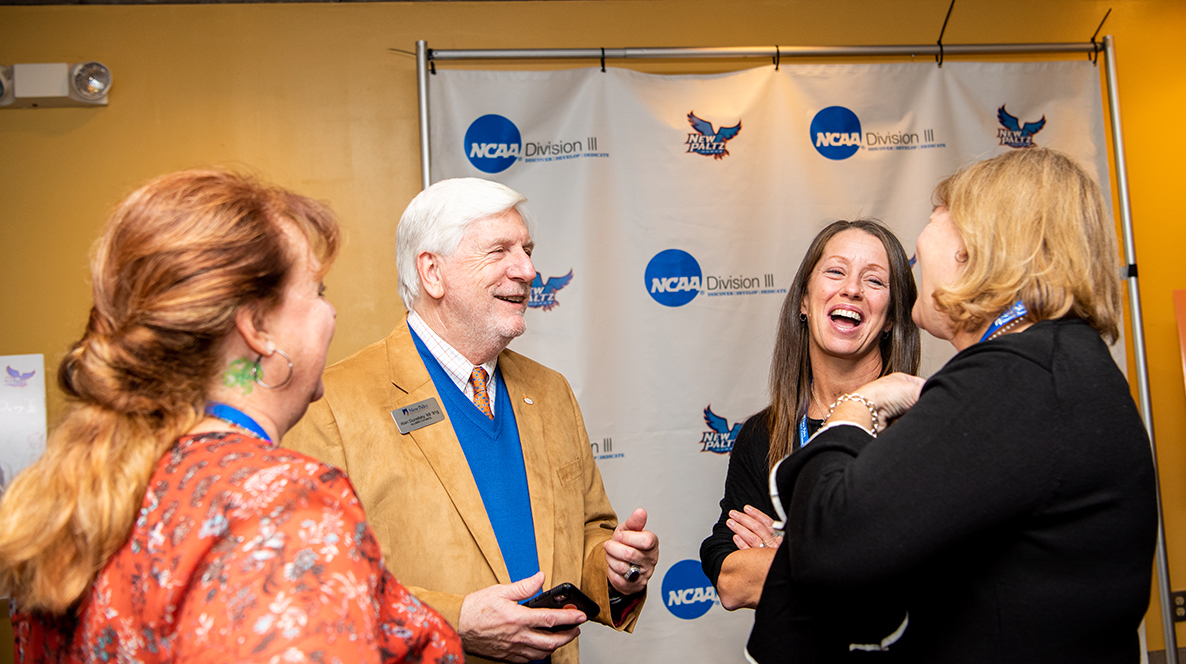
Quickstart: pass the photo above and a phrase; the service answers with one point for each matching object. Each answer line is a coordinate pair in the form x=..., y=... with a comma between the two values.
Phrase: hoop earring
x=802, y=317
x=255, y=371
x=886, y=334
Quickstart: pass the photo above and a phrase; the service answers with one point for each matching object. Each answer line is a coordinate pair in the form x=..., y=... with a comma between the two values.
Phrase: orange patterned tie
x=481, y=399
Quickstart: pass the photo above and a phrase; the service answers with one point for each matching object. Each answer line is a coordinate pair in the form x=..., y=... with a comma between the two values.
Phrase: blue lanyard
x=232, y=415
x=1011, y=314
x=803, y=422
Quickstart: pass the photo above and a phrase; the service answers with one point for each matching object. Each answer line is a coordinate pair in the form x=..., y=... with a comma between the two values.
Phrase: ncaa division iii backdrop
x=671, y=214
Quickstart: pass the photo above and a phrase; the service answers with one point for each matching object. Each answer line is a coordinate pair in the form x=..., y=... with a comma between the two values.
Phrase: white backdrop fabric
x=627, y=197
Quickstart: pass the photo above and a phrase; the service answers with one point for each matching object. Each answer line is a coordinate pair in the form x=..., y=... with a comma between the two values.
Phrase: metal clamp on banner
x=939, y=57
x=1095, y=54
x=1129, y=271
x=777, y=57
x=432, y=66
x=602, y=59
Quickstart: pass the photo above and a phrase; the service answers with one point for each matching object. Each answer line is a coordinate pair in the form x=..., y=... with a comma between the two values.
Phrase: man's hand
x=493, y=624
x=631, y=556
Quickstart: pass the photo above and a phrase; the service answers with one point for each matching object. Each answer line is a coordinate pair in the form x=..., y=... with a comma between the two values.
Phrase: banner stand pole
x=1138, y=334
x=1138, y=341
x=422, y=91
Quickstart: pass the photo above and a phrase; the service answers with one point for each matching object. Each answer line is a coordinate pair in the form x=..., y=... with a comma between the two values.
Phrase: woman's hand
x=893, y=394
x=752, y=529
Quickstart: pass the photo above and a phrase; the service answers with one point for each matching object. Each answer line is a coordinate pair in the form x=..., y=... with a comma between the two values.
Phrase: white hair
x=437, y=219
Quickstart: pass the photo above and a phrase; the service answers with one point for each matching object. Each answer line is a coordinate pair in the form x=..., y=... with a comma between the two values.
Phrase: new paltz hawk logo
x=543, y=296
x=720, y=439
x=16, y=378
x=707, y=141
x=1013, y=133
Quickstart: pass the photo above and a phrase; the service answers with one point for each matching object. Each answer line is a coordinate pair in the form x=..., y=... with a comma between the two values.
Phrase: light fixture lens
x=91, y=80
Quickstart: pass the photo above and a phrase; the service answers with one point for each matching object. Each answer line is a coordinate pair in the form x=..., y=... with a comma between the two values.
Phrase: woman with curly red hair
x=162, y=524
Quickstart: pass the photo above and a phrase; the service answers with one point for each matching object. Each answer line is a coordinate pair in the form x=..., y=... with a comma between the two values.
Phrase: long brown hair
x=175, y=262
x=790, y=369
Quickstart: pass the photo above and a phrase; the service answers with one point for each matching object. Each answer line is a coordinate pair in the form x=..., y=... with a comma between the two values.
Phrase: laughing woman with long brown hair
x=845, y=321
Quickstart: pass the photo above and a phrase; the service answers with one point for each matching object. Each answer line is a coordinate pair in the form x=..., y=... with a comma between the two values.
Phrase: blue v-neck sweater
x=495, y=456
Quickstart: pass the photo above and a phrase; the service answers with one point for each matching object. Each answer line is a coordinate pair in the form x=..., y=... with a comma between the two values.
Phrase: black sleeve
x=979, y=447
x=747, y=483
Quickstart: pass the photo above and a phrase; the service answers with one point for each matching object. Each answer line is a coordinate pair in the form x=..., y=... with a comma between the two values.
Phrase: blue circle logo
x=493, y=143
x=673, y=278
x=836, y=132
x=687, y=593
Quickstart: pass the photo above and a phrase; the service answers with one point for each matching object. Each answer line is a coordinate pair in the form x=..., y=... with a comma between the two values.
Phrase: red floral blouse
x=244, y=552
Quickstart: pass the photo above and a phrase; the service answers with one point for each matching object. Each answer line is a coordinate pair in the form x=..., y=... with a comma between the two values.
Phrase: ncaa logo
x=836, y=133
x=493, y=143
x=673, y=278
x=687, y=593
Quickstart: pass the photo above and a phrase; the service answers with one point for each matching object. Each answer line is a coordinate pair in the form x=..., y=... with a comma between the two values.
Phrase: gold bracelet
x=857, y=397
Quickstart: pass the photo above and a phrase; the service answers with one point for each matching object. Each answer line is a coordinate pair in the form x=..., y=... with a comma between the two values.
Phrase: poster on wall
x=22, y=413
x=670, y=216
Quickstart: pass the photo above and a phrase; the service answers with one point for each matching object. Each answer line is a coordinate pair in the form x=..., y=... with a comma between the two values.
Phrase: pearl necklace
x=1005, y=330
x=1010, y=318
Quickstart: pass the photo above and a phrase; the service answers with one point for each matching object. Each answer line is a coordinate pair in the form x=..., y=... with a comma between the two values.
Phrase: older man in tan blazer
x=466, y=509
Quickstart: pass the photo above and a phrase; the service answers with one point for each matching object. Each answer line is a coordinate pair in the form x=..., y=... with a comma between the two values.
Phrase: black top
x=746, y=483
x=1011, y=511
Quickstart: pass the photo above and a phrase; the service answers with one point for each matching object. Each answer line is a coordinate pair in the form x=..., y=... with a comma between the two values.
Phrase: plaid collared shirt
x=455, y=365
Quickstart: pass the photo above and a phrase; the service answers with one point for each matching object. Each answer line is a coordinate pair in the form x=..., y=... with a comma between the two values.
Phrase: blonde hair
x=176, y=260
x=1035, y=230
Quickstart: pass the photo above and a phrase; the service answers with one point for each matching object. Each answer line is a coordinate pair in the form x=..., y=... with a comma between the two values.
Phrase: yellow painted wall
x=311, y=97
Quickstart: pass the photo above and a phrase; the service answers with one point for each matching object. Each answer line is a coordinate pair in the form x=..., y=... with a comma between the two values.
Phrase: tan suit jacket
x=420, y=497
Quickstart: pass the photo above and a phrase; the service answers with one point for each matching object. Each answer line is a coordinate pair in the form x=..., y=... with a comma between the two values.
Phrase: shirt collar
x=454, y=363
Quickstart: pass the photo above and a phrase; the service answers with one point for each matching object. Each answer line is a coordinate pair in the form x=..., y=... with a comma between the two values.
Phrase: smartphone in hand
x=564, y=596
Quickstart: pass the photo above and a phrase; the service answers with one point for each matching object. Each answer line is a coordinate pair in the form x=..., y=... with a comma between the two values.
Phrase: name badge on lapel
x=417, y=415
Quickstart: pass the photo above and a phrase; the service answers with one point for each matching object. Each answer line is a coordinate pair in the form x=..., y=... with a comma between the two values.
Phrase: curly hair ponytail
x=176, y=261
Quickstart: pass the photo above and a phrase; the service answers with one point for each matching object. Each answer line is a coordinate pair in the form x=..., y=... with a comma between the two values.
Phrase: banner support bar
x=422, y=91
x=1138, y=342
x=754, y=51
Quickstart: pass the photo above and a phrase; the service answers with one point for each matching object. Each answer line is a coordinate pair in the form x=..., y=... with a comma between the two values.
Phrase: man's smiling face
x=487, y=279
